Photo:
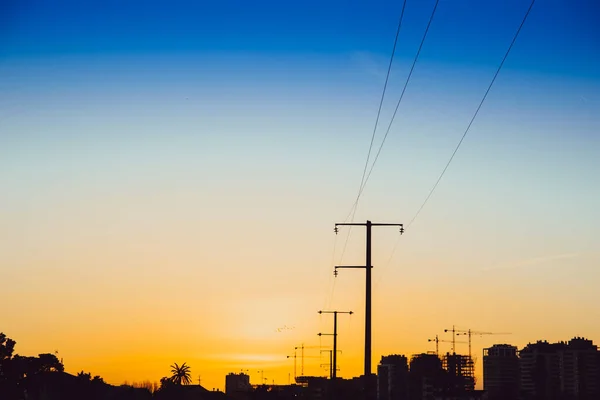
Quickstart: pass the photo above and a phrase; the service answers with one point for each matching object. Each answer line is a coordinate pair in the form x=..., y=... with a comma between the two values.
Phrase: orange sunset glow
x=171, y=176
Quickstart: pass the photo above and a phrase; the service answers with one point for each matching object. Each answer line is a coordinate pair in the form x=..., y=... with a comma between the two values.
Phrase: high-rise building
x=501, y=372
x=560, y=370
x=580, y=377
x=539, y=365
x=392, y=378
x=426, y=377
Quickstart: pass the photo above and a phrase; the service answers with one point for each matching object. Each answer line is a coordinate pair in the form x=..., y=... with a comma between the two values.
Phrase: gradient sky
x=170, y=176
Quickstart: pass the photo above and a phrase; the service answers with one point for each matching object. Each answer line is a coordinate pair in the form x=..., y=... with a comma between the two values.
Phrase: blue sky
x=148, y=141
x=557, y=33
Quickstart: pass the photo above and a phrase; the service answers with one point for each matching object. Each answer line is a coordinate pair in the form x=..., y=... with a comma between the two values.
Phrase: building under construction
x=460, y=371
x=432, y=377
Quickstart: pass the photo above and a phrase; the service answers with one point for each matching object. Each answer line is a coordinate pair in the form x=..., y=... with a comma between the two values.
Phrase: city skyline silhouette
x=171, y=176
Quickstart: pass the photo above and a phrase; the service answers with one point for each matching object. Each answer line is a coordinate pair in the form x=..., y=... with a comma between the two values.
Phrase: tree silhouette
x=181, y=374
x=7, y=347
x=49, y=363
x=84, y=376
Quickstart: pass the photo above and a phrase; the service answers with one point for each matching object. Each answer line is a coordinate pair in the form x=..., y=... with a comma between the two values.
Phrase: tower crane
x=438, y=340
x=470, y=333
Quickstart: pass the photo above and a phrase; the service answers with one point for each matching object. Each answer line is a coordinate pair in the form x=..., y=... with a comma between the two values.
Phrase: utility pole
x=302, y=347
x=335, y=313
x=302, y=359
x=368, y=225
x=330, y=362
x=330, y=365
x=333, y=379
x=294, y=356
x=262, y=376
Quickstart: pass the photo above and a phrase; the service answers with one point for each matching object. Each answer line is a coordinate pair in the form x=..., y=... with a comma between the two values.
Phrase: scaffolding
x=461, y=372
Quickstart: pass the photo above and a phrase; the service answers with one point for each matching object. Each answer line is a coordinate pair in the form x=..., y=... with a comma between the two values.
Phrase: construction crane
x=453, y=330
x=438, y=340
x=470, y=333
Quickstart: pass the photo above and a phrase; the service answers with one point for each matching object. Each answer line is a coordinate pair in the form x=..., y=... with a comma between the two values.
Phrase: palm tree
x=181, y=374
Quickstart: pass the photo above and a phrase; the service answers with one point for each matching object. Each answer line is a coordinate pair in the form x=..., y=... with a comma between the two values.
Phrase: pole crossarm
x=335, y=269
x=336, y=312
x=369, y=389
x=368, y=223
x=364, y=224
x=334, y=334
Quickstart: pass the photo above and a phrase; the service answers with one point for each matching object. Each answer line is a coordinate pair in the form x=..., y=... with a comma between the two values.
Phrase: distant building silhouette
x=237, y=384
x=580, y=375
x=392, y=378
x=557, y=371
x=426, y=377
x=501, y=372
x=317, y=387
x=540, y=370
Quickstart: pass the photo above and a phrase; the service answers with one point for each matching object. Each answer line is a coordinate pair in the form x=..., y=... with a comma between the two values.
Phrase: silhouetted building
x=471, y=395
x=460, y=376
x=236, y=384
x=353, y=388
x=277, y=392
x=426, y=377
x=501, y=372
x=317, y=387
x=540, y=370
x=560, y=370
x=392, y=378
x=580, y=377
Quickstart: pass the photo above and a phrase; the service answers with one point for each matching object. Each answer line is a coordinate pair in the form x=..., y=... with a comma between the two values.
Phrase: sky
x=170, y=176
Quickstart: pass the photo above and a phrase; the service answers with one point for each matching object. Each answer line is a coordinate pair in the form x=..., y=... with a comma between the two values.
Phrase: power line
x=389, y=260
x=354, y=207
x=387, y=77
x=365, y=179
x=401, y=96
x=474, y=116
